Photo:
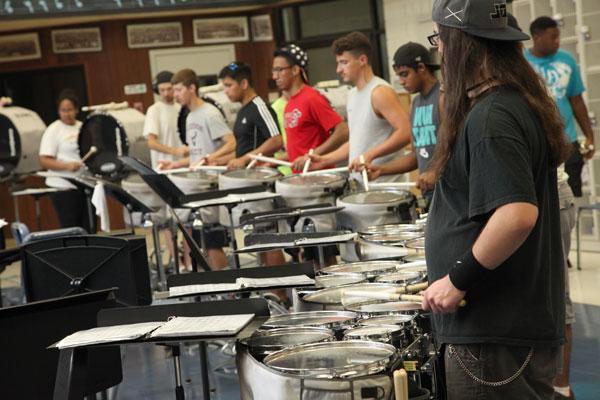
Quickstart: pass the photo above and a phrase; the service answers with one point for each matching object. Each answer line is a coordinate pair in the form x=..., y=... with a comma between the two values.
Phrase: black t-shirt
x=256, y=122
x=500, y=157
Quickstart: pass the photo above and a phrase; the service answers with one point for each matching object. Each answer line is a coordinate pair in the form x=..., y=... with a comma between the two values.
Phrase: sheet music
x=203, y=326
x=232, y=199
x=108, y=334
x=206, y=288
x=278, y=281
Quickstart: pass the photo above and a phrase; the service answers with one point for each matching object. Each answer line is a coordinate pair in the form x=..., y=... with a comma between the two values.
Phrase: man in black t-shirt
x=255, y=129
x=493, y=236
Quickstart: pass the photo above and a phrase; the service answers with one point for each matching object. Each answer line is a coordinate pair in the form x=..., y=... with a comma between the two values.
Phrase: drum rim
x=370, y=230
x=356, y=275
x=327, y=334
x=335, y=372
x=339, y=179
x=336, y=267
x=407, y=196
x=364, y=286
x=355, y=307
x=276, y=174
x=348, y=315
x=409, y=319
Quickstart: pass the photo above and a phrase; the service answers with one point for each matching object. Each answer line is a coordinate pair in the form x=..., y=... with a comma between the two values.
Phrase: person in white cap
x=493, y=237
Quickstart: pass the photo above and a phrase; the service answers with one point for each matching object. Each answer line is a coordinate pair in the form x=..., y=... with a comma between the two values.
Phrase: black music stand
x=87, y=186
x=291, y=214
x=195, y=251
x=229, y=276
x=29, y=367
x=72, y=368
x=75, y=264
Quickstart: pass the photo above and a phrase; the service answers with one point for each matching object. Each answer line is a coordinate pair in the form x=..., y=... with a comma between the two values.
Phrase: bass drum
x=21, y=132
x=115, y=133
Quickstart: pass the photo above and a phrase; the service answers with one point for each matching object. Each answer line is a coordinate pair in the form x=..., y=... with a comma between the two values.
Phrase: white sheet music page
x=329, y=239
x=213, y=325
x=273, y=282
x=206, y=288
x=108, y=334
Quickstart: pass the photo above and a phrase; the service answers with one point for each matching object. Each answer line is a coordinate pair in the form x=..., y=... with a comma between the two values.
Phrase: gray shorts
x=567, y=223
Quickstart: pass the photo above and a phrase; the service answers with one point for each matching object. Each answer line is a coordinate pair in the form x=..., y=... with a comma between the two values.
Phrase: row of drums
x=357, y=332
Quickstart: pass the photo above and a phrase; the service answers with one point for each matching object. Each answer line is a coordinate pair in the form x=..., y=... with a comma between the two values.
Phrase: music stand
x=70, y=366
x=195, y=250
x=29, y=368
x=87, y=186
x=76, y=264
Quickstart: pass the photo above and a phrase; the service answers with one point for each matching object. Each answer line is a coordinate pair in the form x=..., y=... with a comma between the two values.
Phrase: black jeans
x=573, y=168
x=494, y=363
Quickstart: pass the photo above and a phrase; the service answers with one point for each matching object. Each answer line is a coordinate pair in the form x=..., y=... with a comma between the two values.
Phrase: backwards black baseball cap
x=482, y=18
x=411, y=54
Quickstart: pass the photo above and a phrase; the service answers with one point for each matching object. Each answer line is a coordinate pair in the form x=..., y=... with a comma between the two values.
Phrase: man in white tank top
x=378, y=124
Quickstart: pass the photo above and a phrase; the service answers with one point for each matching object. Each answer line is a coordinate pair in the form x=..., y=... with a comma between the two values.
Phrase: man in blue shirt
x=563, y=79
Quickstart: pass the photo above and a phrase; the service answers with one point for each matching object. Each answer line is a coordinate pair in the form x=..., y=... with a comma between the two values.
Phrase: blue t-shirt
x=563, y=79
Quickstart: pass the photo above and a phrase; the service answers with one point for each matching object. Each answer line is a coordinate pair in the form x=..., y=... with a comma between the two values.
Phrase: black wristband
x=467, y=272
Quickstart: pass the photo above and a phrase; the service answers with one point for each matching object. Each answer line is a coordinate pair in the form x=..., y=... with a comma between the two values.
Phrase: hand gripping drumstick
x=418, y=298
x=401, y=384
x=307, y=163
x=93, y=150
x=253, y=162
x=364, y=173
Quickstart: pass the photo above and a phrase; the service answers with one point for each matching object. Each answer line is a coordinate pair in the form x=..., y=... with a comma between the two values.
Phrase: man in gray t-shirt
x=416, y=72
x=205, y=131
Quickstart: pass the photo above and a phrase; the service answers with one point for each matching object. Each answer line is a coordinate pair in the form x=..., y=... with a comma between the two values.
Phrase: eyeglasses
x=278, y=70
x=434, y=39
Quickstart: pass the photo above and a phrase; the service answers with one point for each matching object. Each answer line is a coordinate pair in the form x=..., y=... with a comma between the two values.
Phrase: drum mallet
x=365, y=178
x=401, y=384
x=93, y=150
x=419, y=299
x=307, y=163
x=253, y=162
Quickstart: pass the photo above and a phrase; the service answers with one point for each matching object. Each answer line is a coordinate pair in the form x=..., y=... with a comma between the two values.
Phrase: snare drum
x=298, y=190
x=338, y=279
x=334, y=320
x=391, y=334
x=393, y=238
x=406, y=277
x=390, y=229
x=416, y=244
x=369, y=269
x=375, y=308
x=195, y=182
x=376, y=207
x=240, y=178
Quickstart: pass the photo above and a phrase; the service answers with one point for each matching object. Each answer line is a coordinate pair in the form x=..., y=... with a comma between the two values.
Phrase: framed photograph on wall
x=219, y=30
x=261, y=28
x=154, y=35
x=24, y=46
x=79, y=40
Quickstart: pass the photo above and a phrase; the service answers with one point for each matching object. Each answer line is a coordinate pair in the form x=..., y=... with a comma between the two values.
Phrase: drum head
x=334, y=295
x=402, y=277
x=108, y=135
x=376, y=333
x=400, y=319
x=10, y=146
x=370, y=269
x=377, y=197
x=390, y=229
x=414, y=257
x=376, y=307
x=418, y=244
x=278, y=339
x=344, y=359
x=321, y=180
x=253, y=174
x=338, y=279
x=311, y=318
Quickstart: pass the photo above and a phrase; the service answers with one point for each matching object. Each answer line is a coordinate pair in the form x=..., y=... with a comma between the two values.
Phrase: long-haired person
x=493, y=236
x=59, y=152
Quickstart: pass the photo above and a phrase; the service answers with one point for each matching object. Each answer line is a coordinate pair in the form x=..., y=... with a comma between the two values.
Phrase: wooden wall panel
x=106, y=73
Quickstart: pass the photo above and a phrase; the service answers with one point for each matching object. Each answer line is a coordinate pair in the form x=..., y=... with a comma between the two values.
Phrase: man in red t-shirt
x=310, y=121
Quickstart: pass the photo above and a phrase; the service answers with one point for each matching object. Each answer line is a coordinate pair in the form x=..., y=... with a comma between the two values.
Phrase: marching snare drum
x=298, y=190
x=391, y=334
x=416, y=244
x=334, y=320
x=390, y=229
x=262, y=343
x=404, y=320
x=406, y=277
x=338, y=279
x=240, y=178
x=370, y=269
x=374, y=308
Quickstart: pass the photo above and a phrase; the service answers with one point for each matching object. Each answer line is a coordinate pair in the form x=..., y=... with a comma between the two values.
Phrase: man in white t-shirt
x=59, y=152
x=210, y=139
x=160, y=125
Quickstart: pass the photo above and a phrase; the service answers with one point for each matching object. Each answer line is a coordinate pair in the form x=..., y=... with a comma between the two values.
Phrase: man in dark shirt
x=255, y=129
x=493, y=236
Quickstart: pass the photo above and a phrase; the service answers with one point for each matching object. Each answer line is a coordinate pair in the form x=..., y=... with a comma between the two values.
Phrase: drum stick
x=326, y=171
x=307, y=163
x=401, y=384
x=365, y=177
x=90, y=153
x=270, y=160
x=412, y=264
x=417, y=287
x=404, y=185
x=418, y=298
x=253, y=162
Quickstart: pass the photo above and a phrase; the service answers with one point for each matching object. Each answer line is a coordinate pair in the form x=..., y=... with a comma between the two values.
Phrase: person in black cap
x=493, y=236
x=416, y=72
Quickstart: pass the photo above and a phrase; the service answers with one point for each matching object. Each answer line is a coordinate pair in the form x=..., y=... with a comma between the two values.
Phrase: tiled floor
x=148, y=370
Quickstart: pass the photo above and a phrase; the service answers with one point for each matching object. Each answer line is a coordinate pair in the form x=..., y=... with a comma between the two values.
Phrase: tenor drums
x=240, y=178
x=114, y=133
x=298, y=190
x=21, y=131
